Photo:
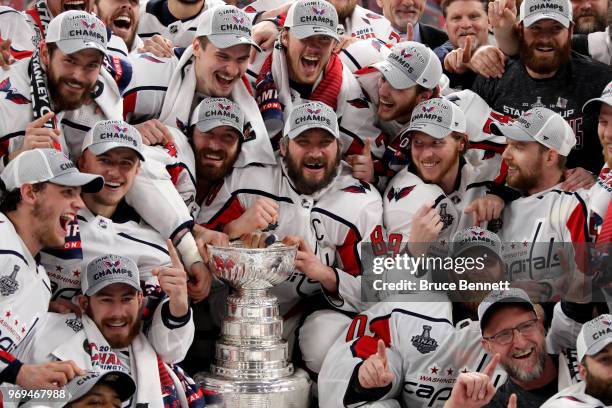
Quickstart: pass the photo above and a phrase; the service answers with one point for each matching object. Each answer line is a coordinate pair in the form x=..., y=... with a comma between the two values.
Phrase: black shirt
x=565, y=93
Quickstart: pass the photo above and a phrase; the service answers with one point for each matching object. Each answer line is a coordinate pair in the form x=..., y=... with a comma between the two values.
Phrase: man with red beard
x=314, y=197
x=112, y=331
x=547, y=74
x=40, y=196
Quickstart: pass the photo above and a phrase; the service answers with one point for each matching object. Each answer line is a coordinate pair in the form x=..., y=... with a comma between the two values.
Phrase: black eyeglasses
x=506, y=336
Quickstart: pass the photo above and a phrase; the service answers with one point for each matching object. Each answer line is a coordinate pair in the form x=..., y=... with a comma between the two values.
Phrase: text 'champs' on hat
x=533, y=11
x=73, y=31
x=107, y=270
x=540, y=125
x=110, y=134
x=226, y=26
x=411, y=63
x=594, y=336
x=437, y=117
x=307, y=18
x=311, y=115
x=214, y=112
x=42, y=165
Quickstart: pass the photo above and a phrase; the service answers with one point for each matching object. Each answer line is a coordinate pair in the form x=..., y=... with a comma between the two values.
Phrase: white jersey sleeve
x=170, y=336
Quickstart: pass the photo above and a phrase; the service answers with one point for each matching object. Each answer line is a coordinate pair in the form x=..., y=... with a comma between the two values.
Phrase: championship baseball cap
x=307, y=18
x=108, y=269
x=539, y=125
x=226, y=26
x=594, y=336
x=533, y=11
x=40, y=165
x=478, y=116
x=437, y=117
x=476, y=237
x=595, y=103
x=309, y=116
x=411, y=63
x=498, y=298
x=215, y=112
x=75, y=30
x=110, y=134
x=120, y=381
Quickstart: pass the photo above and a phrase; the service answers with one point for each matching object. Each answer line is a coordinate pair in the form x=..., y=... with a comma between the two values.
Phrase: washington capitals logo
x=359, y=103
x=478, y=233
x=238, y=20
x=91, y=25
x=360, y=188
x=12, y=94
x=112, y=264
x=224, y=107
x=607, y=322
x=151, y=58
x=313, y=111
x=400, y=193
x=405, y=53
x=318, y=11
x=427, y=110
x=120, y=129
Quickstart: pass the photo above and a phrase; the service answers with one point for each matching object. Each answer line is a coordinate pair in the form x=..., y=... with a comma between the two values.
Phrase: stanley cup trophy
x=252, y=367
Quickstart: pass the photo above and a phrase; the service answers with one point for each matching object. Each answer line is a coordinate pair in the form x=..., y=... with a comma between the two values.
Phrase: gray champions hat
x=475, y=237
x=533, y=11
x=494, y=298
x=226, y=26
x=307, y=18
x=437, y=117
x=108, y=269
x=594, y=336
x=539, y=125
x=215, y=112
x=75, y=30
x=411, y=63
x=110, y=134
x=41, y=165
x=311, y=115
x=595, y=103
x=121, y=382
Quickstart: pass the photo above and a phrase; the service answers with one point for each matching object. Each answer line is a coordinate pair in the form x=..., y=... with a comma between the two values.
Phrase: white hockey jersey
x=599, y=200
x=534, y=228
x=94, y=235
x=573, y=397
x=25, y=292
x=155, y=18
x=334, y=221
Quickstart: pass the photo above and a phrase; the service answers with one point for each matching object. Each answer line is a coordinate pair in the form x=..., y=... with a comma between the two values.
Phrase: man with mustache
x=589, y=15
x=304, y=68
x=547, y=74
x=109, y=335
x=316, y=199
x=40, y=196
x=594, y=347
x=122, y=17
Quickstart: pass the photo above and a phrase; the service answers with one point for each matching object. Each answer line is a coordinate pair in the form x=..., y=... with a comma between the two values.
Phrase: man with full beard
x=547, y=74
x=122, y=17
x=315, y=198
x=594, y=347
x=111, y=328
x=589, y=15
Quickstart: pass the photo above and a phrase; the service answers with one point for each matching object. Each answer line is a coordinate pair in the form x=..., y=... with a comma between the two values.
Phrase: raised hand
x=474, y=389
x=374, y=372
x=38, y=136
x=489, y=61
x=50, y=376
x=154, y=132
x=485, y=209
x=502, y=14
x=362, y=164
x=259, y=216
x=457, y=61
x=158, y=46
x=6, y=59
x=173, y=281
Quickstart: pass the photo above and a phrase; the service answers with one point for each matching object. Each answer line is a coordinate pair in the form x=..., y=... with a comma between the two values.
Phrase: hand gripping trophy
x=251, y=366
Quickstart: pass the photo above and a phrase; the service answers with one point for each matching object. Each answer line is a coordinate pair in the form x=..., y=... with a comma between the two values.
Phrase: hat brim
x=394, y=75
x=207, y=125
x=89, y=183
x=305, y=31
x=598, y=346
x=593, y=105
x=92, y=290
x=230, y=40
x=75, y=45
x=511, y=131
x=121, y=382
x=510, y=300
x=293, y=133
x=103, y=147
x=433, y=130
x=534, y=18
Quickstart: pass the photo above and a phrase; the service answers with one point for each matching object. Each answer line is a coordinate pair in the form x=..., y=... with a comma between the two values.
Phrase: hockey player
x=315, y=198
x=40, y=197
x=107, y=389
x=440, y=193
x=60, y=90
x=110, y=328
x=538, y=144
x=302, y=67
x=122, y=17
x=594, y=346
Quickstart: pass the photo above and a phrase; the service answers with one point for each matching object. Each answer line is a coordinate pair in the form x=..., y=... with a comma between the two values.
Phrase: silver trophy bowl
x=251, y=367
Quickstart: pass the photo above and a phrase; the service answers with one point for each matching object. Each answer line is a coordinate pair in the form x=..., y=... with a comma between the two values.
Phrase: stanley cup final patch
x=423, y=342
x=8, y=283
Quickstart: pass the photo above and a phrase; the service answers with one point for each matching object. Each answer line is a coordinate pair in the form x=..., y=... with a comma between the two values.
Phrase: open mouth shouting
x=310, y=65
x=65, y=219
x=74, y=5
x=122, y=24
x=314, y=168
x=225, y=81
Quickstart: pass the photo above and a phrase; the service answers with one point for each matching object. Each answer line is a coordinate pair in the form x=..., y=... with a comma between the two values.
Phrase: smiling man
x=403, y=12
x=40, y=196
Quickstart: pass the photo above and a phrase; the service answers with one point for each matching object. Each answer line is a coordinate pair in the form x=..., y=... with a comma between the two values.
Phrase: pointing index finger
x=490, y=368
x=38, y=123
x=467, y=52
x=174, y=257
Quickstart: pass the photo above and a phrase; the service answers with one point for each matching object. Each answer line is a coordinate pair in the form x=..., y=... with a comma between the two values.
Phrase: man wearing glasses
x=511, y=328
